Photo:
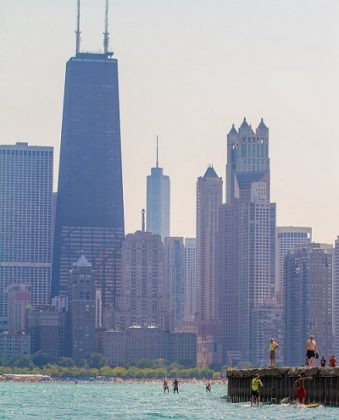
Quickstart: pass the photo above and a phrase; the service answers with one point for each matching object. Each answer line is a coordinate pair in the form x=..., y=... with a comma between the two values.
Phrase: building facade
x=151, y=343
x=209, y=199
x=26, y=176
x=158, y=202
x=143, y=299
x=90, y=210
x=19, y=302
x=336, y=295
x=47, y=331
x=287, y=238
x=307, y=301
x=81, y=310
x=174, y=272
x=190, y=278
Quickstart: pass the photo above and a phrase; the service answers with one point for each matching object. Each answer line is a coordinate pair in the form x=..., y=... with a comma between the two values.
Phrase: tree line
x=97, y=366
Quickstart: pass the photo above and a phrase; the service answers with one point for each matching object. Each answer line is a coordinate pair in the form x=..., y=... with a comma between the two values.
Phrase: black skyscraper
x=90, y=211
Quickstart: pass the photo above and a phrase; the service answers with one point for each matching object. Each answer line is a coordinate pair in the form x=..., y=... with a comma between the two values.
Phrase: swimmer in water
x=176, y=386
x=208, y=387
x=166, y=387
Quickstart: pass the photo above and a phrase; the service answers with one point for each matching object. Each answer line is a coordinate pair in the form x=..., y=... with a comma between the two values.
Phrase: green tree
x=97, y=360
x=66, y=362
x=40, y=359
x=84, y=363
x=21, y=361
x=143, y=363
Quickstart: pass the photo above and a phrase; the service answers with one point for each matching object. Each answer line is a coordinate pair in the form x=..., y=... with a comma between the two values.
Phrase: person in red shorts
x=333, y=361
x=300, y=389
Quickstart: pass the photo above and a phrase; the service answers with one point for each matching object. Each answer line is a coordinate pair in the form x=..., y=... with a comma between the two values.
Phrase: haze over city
x=188, y=69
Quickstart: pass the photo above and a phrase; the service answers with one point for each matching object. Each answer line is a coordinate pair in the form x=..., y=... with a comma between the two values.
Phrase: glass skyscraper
x=158, y=202
x=90, y=210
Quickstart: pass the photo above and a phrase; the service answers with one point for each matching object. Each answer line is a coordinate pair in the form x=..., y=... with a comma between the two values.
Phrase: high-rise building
x=287, y=238
x=143, y=300
x=90, y=210
x=229, y=263
x=307, y=300
x=26, y=175
x=19, y=300
x=209, y=198
x=190, y=278
x=158, y=201
x=81, y=310
x=174, y=271
x=47, y=330
x=247, y=229
x=336, y=295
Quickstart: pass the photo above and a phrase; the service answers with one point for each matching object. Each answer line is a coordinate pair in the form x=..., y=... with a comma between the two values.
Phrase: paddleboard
x=314, y=405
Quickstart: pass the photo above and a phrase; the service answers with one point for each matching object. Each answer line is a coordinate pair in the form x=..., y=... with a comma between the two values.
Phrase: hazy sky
x=188, y=69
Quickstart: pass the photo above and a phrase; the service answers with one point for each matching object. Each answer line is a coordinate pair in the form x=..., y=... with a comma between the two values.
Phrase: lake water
x=136, y=401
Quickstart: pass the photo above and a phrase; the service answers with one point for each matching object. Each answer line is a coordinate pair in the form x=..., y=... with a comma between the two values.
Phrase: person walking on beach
x=273, y=350
x=299, y=386
x=166, y=387
x=176, y=386
x=256, y=384
x=311, y=351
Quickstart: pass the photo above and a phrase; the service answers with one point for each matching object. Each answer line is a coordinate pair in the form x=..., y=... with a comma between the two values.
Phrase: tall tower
x=209, y=198
x=90, y=209
x=336, y=295
x=158, y=201
x=247, y=229
x=81, y=313
x=26, y=174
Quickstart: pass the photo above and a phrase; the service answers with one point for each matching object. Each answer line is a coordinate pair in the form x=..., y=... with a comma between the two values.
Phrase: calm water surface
x=136, y=401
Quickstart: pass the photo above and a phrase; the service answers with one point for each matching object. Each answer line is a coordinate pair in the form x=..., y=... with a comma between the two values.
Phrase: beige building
x=143, y=300
x=209, y=199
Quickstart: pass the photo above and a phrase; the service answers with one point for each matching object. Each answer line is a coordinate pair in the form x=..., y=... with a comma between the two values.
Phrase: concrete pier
x=279, y=384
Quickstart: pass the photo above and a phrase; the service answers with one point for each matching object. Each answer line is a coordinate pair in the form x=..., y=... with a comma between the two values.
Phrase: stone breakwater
x=279, y=384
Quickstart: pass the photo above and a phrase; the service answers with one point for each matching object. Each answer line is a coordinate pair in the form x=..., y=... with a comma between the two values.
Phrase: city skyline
x=276, y=76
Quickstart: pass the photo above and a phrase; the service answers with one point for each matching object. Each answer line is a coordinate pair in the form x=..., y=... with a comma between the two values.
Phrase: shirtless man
x=299, y=386
x=311, y=350
x=273, y=351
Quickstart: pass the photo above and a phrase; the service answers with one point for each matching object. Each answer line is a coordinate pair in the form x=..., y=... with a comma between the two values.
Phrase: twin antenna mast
x=106, y=33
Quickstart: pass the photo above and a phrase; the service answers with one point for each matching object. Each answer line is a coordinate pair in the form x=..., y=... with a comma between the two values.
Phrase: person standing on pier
x=333, y=361
x=311, y=351
x=273, y=352
x=255, y=386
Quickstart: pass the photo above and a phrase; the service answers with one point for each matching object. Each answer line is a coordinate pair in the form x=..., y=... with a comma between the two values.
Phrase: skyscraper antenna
x=106, y=33
x=77, y=32
x=157, y=162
